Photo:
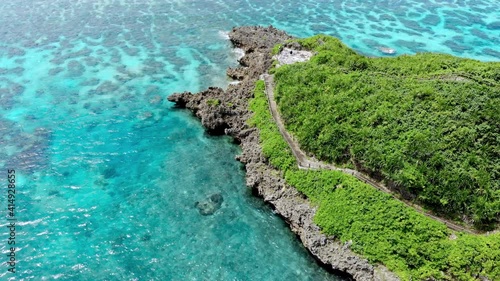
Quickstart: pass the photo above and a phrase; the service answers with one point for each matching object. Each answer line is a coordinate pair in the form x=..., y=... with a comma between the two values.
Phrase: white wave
x=224, y=34
x=21, y=223
x=239, y=53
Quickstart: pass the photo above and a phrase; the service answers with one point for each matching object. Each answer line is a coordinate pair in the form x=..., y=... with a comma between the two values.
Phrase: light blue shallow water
x=108, y=172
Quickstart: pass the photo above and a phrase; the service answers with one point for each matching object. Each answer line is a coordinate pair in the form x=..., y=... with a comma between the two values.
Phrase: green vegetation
x=381, y=228
x=273, y=146
x=213, y=102
x=276, y=49
x=428, y=122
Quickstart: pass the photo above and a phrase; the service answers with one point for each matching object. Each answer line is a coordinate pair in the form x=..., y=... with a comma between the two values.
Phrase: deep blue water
x=109, y=173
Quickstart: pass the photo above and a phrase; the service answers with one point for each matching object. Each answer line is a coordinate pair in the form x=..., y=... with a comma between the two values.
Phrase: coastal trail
x=307, y=163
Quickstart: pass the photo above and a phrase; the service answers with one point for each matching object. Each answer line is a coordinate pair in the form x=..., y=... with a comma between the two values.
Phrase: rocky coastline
x=226, y=112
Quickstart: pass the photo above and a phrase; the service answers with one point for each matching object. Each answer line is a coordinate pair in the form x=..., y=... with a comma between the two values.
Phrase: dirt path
x=307, y=163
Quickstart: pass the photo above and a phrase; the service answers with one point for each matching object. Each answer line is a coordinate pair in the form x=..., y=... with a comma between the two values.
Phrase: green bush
x=276, y=49
x=213, y=102
x=273, y=145
x=427, y=122
x=381, y=228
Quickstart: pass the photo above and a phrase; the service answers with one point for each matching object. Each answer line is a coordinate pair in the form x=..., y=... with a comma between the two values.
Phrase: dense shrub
x=381, y=228
x=273, y=145
x=428, y=122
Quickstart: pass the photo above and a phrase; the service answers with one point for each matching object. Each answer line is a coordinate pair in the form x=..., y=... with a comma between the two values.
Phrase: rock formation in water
x=209, y=205
x=226, y=112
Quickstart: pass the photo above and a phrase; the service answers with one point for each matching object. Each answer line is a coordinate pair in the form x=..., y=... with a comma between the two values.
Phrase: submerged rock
x=75, y=69
x=109, y=172
x=210, y=205
x=155, y=99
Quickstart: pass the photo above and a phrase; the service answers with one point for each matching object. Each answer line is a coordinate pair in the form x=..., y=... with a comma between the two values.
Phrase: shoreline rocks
x=226, y=112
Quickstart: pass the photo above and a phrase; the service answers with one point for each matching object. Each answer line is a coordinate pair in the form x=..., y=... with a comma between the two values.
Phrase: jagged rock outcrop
x=226, y=112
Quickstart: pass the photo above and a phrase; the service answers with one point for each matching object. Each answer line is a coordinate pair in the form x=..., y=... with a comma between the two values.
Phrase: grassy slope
x=381, y=228
x=406, y=118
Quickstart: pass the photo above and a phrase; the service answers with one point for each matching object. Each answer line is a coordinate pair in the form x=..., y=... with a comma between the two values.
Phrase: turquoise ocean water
x=109, y=173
